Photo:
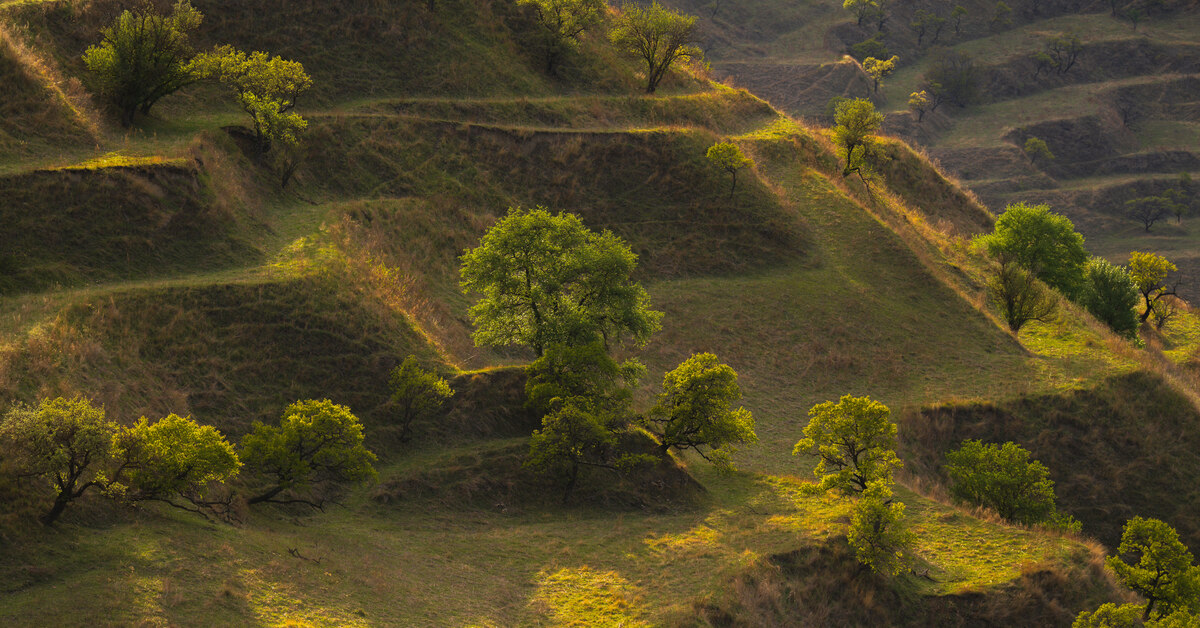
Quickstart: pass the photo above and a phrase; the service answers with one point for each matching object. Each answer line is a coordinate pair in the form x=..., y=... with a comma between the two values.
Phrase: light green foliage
x=879, y=69
x=879, y=533
x=142, y=57
x=1003, y=478
x=587, y=376
x=728, y=157
x=1042, y=242
x=918, y=103
x=562, y=22
x=856, y=119
x=1154, y=563
x=656, y=35
x=855, y=440
x=416, y=393
x=316, y=442
x=173, y=458
x=571, y=437
x=1111, y=616
x=925, y=22
x=1037, y=149
x=546, y=278
x=1019, y=296
x=862, y=9
x=266, y=88
x=1063, y=51
x=1110, y=295
x=62, y=442
x=1149, y=274
x=694, y=411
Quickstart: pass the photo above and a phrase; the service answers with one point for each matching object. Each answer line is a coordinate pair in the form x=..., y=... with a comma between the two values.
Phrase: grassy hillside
x=163, y=271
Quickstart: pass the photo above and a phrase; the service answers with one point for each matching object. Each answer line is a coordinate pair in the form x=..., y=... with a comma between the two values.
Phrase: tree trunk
x=262, y=497
x=733, y=186
x=60, y=504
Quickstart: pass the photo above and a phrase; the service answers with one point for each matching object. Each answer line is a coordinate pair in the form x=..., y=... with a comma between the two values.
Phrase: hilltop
x=161, y=269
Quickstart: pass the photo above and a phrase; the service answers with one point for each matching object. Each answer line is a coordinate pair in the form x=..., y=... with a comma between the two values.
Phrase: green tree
x=694, y=411
x=416, y=393
x=142, y=57
x=315, y=443
x=918, y=103
x=1005, y=479
x=266, y=87
x=1038, y=150
x=546, y=278
x=856, y=119
x=728, y=157
x=862, y=9
x=1130, y=616
x=1019, y=296
x=174, y=461
x=1001, y=16
x=65, y=443
x=584, y=374
x=927, y=21
x=1064, y=50
x=1042, y=242
x=656, y=35
x=1155, y=564
x=878, y=69
x=572, y=437
x=1149, y=274
x=957, y=14
x=952, y=77
x=1111, y=296
x=872, y=46
x=855, y=441
x=562, y=22
x=878, y=533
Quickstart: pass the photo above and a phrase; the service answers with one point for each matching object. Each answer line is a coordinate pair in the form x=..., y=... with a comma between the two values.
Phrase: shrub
x=1110, y=295
x=416, y=393
x=1003, y=478
x=1042, y=242
x=878, y=532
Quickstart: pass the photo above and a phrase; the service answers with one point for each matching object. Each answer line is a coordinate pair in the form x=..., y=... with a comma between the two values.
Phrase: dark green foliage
x=316, y=443
x=1019, y=296
x=873, y=46
x=1042, y=242
x=1149, y=209
x=928, y=22
x=65, y=443
x=561, y=24
x=1038, y=150
x=572, y=437
x=416, y=393
x=142, y=57
x=1003, y=478
x=952, y=77
x=586, y=375
x=694, y=411
x=728, y=157
x=657, y=36
x=1154, y=563
x=1110, y=295
x=546, y=279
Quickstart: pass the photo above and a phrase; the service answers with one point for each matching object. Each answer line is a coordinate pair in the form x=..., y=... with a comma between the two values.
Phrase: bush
x=1003, y=478
x=1110, y=295
x=878, y=533
x=416, y=393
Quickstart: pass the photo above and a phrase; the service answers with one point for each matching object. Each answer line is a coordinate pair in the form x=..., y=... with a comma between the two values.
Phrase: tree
x=547, y=279
x=957, y=14
x=143, y=57
x=562, y=22
x=1019, y=296
x=1130, y=616
x=1149, y=274
x=1003, y=478
x=878, y=532
x=878, y=69
x=728, y=157
x=1134, y=15
x=872, y=46
x=952, y=77
x=170, y=460
x=65, y=443
x=694, y=411
x=315, y=443
x=1037, y=149
x=1154, y=563
x=856, y=119
x=584, y=374
x=416, y=393
x=1042, y=242
x=656, y=35
x=1148, y=210
x=266, y=88
x=1044, y=63
x=862, y=9
x=926, y=21
x=1110, y=295
x=1064, y=50
x=1001, y=16
x=855, y=441
x=918, y=103
x=572, y=437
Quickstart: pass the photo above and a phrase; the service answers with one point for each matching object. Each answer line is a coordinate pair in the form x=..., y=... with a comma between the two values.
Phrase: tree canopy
x=1149, y=274
x=856, y=120
x=546, y=278
x=878, y=532
x=316, y=442
x=1111, y=296
x=1153, y=562
x=416, y=393
x=561, y=23
x=586, y=376
x=694, y=411
x=266, y=87
x=855, y=441
x=728, y=157
x=879, y=69
x=1018, y=295
x=656, y=35
x=142, y=57
x=1005, y=479
x=1042, y=242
